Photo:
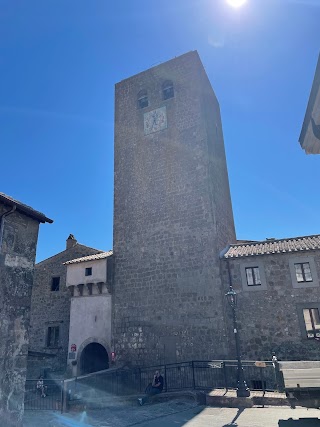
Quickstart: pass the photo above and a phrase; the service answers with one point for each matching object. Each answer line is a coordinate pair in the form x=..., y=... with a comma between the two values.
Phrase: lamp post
x=242, y=388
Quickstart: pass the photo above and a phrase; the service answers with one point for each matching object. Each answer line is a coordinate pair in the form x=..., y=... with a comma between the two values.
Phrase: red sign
x=73, y=347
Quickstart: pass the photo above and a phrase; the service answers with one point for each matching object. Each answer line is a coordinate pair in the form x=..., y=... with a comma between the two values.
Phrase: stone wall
x=17, y=256
x=172, y=215
x=49, y=309
x=270, y=316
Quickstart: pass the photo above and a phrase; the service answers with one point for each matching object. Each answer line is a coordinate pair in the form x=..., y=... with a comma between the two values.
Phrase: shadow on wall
x=301, y=422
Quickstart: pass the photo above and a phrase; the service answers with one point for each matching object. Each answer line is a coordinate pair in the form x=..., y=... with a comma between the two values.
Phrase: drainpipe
x=229, y=273
x=2, y=218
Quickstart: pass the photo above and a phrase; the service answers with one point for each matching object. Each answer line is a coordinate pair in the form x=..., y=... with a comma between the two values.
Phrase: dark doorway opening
x=94, y=357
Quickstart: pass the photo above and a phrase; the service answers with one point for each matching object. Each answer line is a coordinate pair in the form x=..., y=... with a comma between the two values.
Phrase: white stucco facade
x=76, y=272
x=90, y=310
x=90, y=321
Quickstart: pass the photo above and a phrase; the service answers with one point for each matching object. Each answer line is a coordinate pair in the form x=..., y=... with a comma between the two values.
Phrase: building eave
x=309, y=142
x=25, y=209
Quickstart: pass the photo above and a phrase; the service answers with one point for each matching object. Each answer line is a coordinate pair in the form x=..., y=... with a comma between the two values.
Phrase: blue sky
x=60, y=59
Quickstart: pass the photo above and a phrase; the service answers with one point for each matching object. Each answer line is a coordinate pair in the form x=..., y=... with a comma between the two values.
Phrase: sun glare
x=236, y=3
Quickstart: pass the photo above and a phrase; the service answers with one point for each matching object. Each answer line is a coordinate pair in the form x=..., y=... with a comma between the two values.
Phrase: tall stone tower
x=172, y=215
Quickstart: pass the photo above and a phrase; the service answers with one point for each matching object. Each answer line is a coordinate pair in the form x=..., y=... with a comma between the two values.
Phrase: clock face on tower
x=155, y=120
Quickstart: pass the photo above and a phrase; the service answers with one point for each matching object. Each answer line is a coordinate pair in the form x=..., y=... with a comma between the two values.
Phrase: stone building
x=310, y=132
x=89, y=282
x=172, y=215
x=50, y=311
x=277, y=282
x=160, y=297
x=19, y=225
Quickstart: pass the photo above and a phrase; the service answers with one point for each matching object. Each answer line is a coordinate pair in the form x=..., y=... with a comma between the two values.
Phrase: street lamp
x=242, y=388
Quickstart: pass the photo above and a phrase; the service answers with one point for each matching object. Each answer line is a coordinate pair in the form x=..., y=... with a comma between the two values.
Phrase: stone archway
x=94, y=357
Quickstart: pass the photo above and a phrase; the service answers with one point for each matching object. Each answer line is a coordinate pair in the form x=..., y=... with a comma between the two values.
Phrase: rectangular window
x=168, y=92
x=88, y=271
x=253, y=276
x=55, y=284
x=143, y=102
x=53, y=336
x=303, y=272
x=312, y=322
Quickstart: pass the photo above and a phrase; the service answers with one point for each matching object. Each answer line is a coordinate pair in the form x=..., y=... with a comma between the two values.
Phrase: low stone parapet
x=229, y=399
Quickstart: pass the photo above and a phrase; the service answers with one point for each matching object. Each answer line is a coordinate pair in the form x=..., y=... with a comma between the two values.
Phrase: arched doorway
x=94, y=357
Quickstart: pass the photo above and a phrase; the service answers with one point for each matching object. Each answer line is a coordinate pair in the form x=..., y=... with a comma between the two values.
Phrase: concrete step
x=107, y=400
x=229, y=399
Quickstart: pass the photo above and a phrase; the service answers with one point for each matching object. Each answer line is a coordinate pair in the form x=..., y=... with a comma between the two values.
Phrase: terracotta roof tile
x=275, y=246
x=94, y=257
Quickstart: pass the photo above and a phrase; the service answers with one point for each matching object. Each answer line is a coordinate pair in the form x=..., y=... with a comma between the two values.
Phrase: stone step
x=229, y=399
x=106, y=400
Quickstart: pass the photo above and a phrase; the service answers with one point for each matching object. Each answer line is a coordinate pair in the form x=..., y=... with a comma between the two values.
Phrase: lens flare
x=236, y=3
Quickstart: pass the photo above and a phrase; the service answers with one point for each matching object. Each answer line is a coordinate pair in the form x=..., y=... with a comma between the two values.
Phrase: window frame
x=56, y=340
x=313, y=270
x=166, y=87
x=51, y=285
x=142, y=96
x=255, y=283
x=303, y=328
x=313, y=324
x=303, y=272
x=88, y=271
x=258, y=263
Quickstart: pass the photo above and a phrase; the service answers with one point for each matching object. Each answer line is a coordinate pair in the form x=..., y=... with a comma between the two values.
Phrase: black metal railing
x=194, y=375
x=48, y=397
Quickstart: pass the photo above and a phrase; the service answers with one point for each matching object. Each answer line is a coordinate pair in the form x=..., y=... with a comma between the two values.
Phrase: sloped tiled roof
x=94, y=257
x=25, y=209
x=65, y=254
x=274, y=246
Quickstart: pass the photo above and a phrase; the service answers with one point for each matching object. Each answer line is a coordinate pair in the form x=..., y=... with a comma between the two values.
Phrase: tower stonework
x=172, y=216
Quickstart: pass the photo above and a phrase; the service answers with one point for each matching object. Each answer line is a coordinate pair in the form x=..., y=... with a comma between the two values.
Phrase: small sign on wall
x=72, y=355
x=73, y=347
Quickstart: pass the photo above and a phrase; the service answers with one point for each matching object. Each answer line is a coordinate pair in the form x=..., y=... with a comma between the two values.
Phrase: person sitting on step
x=153, y=388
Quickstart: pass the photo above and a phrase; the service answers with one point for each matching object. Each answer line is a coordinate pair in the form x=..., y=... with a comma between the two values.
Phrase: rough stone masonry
x=172, y=216
x=19, y=226
x=55, y=311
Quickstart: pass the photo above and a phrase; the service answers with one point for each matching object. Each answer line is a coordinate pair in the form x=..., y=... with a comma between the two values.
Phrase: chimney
x=71, y=241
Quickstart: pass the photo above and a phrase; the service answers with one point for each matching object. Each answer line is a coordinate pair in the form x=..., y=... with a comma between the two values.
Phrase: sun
x=236, y=3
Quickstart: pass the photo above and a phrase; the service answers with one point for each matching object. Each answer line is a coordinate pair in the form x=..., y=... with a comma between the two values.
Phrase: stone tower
x=172, y=216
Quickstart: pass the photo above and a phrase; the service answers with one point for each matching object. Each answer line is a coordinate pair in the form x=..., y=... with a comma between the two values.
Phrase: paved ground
x=117, y=414
x=179, y=412
x=231, y=417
